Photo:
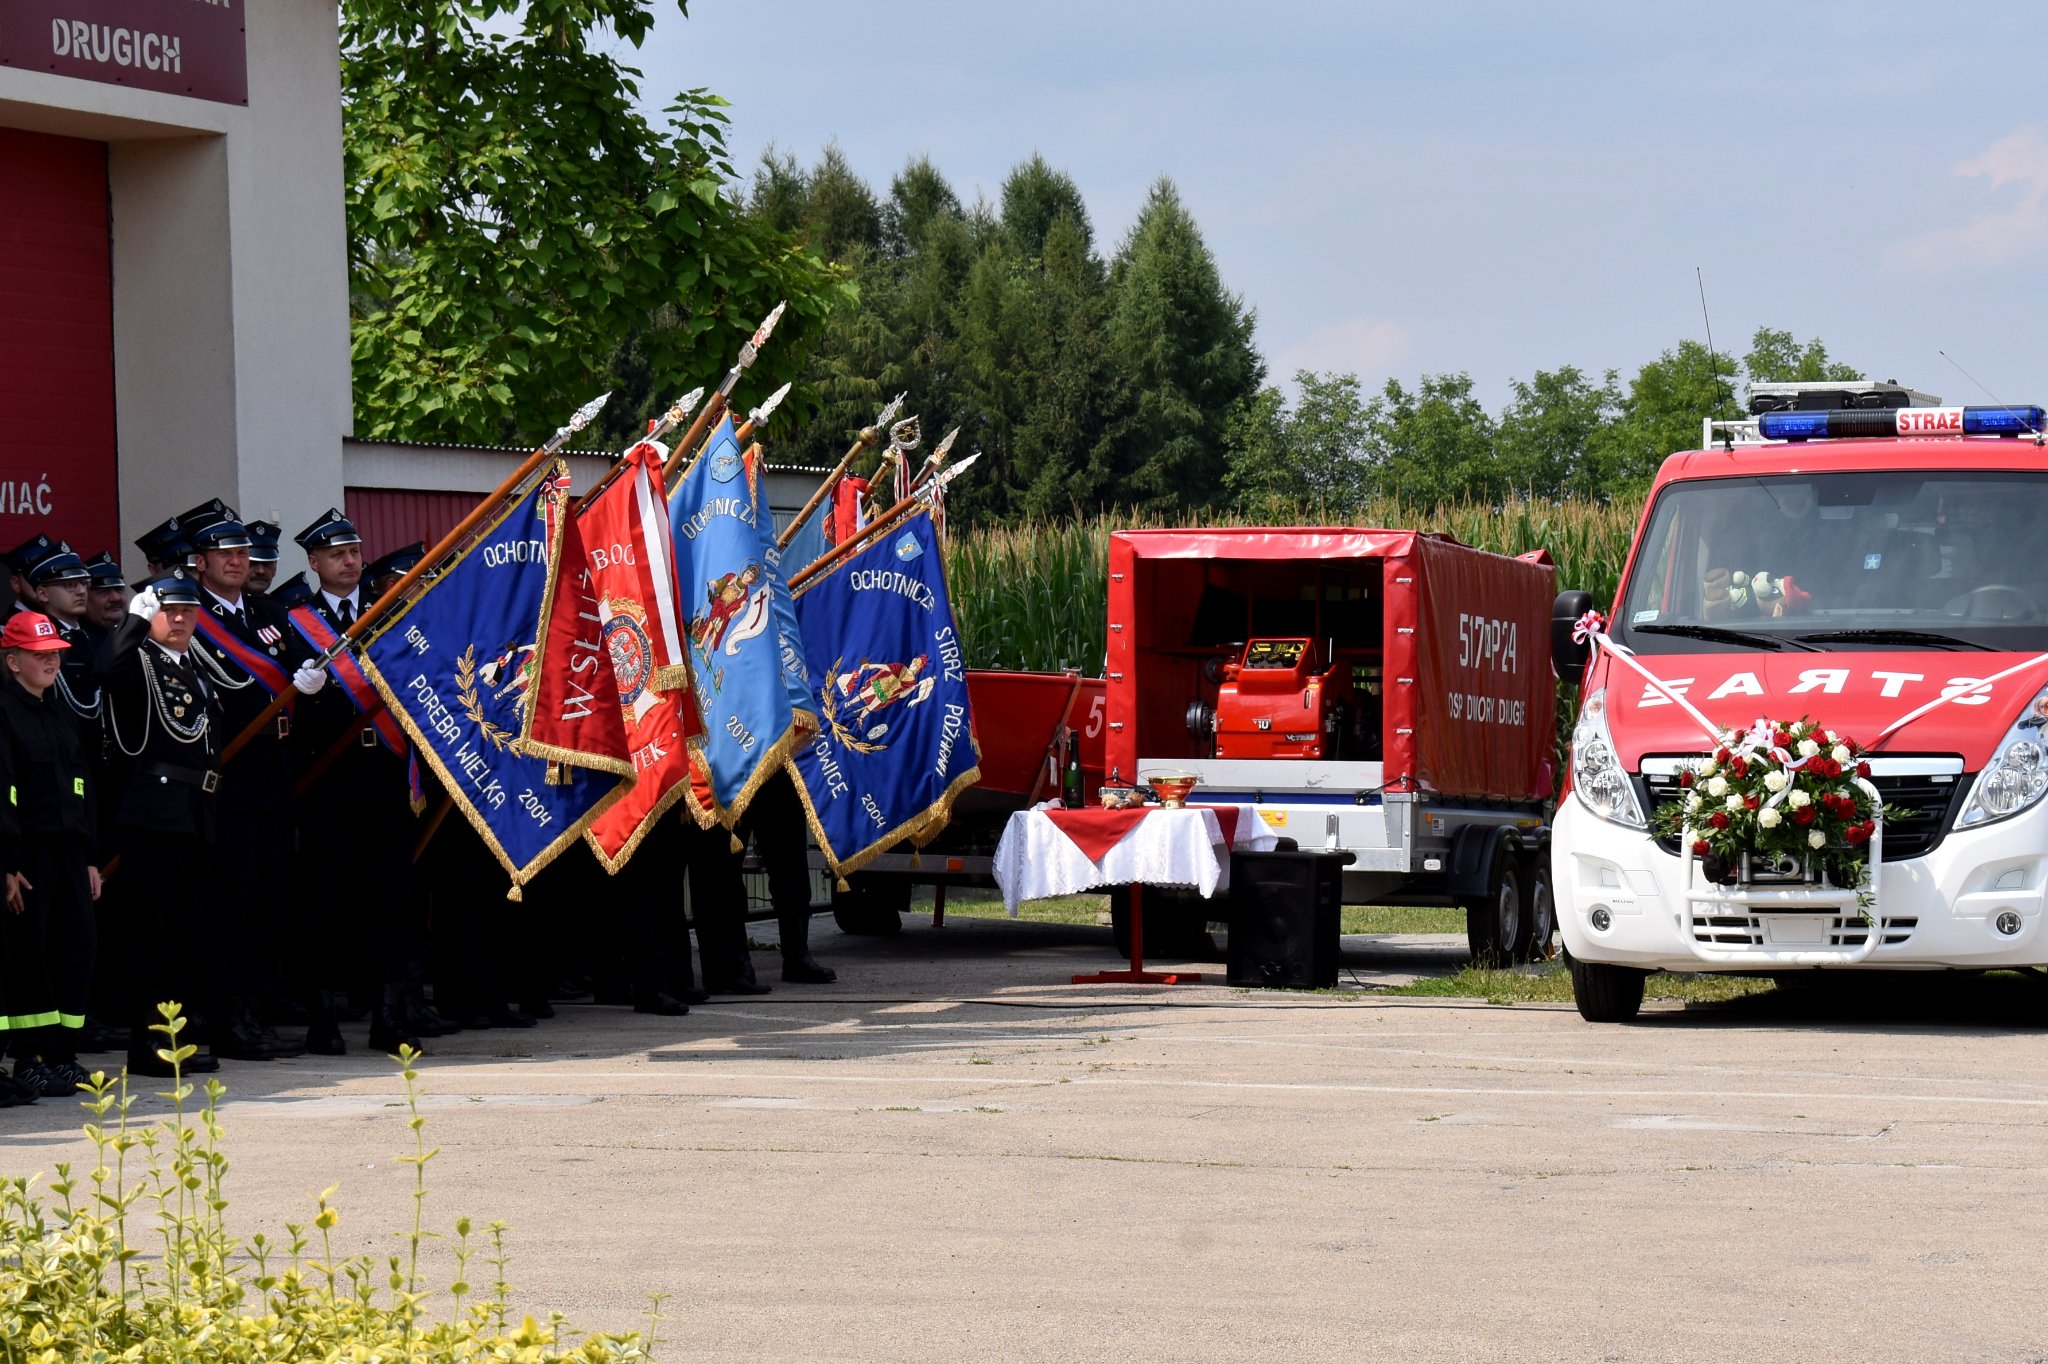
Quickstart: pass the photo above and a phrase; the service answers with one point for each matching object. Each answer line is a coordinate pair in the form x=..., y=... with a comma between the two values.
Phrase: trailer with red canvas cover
x=1385, y=693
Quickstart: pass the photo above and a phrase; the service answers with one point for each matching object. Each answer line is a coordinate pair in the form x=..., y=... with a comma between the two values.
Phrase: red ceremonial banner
x=572, y=712
x=625, y=530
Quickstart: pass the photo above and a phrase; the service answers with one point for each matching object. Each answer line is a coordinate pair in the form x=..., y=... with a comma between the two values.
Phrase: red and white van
x=1903, y=549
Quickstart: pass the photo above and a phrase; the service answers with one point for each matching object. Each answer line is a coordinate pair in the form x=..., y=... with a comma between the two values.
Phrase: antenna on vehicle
x=1713, y=358
x=2009, y=411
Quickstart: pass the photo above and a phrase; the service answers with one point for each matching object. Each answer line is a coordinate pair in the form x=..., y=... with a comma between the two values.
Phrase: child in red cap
x=46, y=859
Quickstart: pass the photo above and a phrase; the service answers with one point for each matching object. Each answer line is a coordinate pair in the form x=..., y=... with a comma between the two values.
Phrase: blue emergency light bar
x=1903, y=421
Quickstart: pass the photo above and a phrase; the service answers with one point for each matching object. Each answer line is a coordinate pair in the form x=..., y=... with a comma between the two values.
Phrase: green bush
x=134, y=1261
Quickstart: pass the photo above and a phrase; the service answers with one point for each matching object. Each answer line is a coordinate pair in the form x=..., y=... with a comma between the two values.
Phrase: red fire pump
x=1280, y=699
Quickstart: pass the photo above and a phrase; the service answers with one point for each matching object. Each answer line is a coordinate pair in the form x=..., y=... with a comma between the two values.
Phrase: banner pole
x=867, y=439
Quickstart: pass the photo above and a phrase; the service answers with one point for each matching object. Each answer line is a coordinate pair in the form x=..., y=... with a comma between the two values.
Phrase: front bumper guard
x=1806, y=901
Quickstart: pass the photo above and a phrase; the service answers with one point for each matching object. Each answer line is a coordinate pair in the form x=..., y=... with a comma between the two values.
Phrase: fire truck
x=1903, y=551
x=1377, y=692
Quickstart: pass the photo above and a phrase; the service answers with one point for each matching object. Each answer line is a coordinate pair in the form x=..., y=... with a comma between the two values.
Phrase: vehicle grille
x=1928, y=800
x=1747, y=930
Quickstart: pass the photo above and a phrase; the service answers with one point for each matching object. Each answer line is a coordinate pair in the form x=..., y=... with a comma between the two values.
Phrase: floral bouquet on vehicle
x=1780, y=803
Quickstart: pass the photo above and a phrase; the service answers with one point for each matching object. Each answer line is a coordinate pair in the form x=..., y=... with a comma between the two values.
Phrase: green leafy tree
x=1185, y=345
x=1775, y=358
x=1317, y=452
x=1548, y=426
x=517, y=229
x=1434, y=445
x=1660, y=413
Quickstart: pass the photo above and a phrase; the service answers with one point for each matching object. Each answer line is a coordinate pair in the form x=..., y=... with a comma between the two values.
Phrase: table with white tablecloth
x=1049, y=851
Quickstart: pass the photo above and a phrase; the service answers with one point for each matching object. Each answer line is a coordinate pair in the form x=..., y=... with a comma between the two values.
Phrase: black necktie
x=346, y=611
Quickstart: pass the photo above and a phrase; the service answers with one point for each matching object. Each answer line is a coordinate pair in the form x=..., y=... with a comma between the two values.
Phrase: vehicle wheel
x=1605, y=993
x=1496, y=927
x=1176, y=926
x=1542, y=907
x=871, y=907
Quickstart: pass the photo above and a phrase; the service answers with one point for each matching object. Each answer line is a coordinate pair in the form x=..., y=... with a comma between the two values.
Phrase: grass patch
x=1062, y=909
x=1401, y=919
x=1552, y=984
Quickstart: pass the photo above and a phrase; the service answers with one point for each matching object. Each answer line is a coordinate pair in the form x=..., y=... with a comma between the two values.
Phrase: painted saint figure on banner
x=873, y=687
x=736, y=610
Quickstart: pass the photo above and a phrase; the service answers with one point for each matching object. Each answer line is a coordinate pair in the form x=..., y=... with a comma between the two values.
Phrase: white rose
x=1693, y=802
x=1816, y=839
x=1734, y=802
x=1775, y=781
x=1840, y=753
x=1831, y=736
x=1717, y=786
x=1807, y=748
x=1798, y=800
x=1769, y=818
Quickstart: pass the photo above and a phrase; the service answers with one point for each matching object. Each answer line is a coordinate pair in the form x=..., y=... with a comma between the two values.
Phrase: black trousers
x=171, y=929
x=648, y=890
x=255, y=860
x=49, y=951
x=775, y=821
x=718, y=905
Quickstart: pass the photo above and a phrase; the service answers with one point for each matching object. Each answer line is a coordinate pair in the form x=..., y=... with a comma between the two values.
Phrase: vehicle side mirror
x=1567, y=655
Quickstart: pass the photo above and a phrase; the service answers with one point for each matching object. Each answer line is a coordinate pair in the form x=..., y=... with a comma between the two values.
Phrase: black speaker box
x=1283, y=918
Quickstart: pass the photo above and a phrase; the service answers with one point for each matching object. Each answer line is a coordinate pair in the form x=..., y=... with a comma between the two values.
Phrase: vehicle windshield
x=1843, y=562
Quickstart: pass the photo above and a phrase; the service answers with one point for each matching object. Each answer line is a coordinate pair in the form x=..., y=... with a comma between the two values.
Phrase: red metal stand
x=1138, y=975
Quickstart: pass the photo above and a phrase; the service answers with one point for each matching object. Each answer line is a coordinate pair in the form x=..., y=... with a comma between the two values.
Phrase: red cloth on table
x=1095, y=832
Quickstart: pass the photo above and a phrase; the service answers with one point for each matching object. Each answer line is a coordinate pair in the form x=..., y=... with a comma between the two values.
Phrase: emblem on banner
x=908, y=548
x=631, y=649
x=852, y=701
x=735, y=611
x=726, y=465
x=510, y=673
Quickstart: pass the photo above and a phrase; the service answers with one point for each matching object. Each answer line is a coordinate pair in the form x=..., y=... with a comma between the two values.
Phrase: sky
x=1489, y=188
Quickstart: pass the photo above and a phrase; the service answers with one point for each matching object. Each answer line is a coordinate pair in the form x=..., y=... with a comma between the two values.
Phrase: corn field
x=1036, y=596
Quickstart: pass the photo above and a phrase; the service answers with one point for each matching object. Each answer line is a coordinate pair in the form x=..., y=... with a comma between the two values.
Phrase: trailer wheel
x=871, y=906
x=1542, y=911
x=1606, y=993
x=1496, y=926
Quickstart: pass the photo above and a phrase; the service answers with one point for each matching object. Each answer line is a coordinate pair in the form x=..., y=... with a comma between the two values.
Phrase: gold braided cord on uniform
x=426, y=750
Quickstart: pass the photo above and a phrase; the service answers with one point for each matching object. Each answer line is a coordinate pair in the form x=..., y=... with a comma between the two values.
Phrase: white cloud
x=2017, y=162
x=1366, y=346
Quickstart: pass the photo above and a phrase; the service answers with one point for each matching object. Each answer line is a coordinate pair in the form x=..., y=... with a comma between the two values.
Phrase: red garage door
x=57, y=462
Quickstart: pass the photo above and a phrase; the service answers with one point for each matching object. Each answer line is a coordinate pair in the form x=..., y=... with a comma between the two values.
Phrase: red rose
x=1749, y=802
x=1719, y=819
x=1855, y=834
x=1863, y=771
x=1738, y=767
x=1700, y=847
x=1782, y=739
x=1803, y=815
x=1685, y=778
x=1829, y=768
x=1721, y=755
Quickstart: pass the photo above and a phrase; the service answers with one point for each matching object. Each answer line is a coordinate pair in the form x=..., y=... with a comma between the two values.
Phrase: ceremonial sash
x=268, y=672
x=349, y=673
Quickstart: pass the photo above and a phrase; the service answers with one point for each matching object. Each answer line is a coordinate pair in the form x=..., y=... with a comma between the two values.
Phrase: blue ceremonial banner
x=897, y=745
x=726, y=579
x=458, y=666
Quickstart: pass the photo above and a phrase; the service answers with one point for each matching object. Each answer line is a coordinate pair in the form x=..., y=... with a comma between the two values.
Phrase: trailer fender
x=1474, y=849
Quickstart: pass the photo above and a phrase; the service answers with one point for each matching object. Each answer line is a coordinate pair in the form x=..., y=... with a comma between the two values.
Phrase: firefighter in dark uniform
x=355, y=818
x=47, y=837
x=247, y=649
x=165, y=547
x=164, y=718
x=263, y=541
x=108, y=596
x=775, y=821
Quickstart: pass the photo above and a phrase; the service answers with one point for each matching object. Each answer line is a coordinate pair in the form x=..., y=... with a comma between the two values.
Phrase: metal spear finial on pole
x=923, y=497
x=869, y=437
x=686, y=448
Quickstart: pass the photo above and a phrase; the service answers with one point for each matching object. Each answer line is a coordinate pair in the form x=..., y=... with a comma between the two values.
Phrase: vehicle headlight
x=2017, y=776
x=1597, y=774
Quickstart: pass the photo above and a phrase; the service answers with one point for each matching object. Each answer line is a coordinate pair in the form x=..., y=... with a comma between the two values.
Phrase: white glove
x=310, y=677
x=145, y=604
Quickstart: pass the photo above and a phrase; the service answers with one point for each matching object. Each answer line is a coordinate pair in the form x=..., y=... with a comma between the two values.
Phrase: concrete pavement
x=954, y=1153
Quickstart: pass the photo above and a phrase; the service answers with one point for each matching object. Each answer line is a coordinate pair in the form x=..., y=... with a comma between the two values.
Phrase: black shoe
x=806, y=970
x=659, y=1003
x=736, y=987
x=284, y=1013
x=239, y=1044
x=473, y=1019
x=250, y=1033
x=154, y=1066
x=98, y=1036
x=323, y=1037
x=71, y=1072
x=34, y=1075
x=540, y=1008
x=14, y=1094
x=421, y=1018
x=505, y=1016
